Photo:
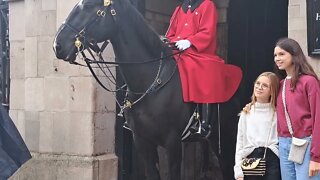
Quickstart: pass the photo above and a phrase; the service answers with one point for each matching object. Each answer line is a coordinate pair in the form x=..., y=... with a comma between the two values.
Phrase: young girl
x=257, y=128
x=302, y=100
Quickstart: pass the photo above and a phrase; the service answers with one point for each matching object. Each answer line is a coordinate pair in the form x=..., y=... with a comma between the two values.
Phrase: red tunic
x=204, y=76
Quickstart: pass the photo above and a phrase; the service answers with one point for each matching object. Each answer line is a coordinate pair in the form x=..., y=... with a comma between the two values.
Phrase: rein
x=154, y=86
x=130, y=62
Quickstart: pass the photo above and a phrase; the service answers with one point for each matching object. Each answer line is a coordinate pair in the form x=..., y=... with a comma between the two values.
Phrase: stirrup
x=208, y=131
x=195, y=128
x=125, y=126
x=204, y=132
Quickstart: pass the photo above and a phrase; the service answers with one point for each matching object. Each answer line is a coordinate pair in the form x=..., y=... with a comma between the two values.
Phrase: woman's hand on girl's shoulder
x=314, y=168
x=247, y=108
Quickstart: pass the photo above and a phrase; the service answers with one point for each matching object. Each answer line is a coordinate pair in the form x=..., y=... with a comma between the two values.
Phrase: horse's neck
x=136, y=39
x=131, y=46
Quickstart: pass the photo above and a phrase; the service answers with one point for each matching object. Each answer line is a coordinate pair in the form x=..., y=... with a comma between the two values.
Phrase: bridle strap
x=81, y=34
x=94, y=74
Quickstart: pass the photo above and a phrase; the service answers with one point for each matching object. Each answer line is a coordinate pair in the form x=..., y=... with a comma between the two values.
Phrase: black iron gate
x=4, y=55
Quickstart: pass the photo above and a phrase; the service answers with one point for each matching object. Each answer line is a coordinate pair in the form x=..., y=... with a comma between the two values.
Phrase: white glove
x=183, y=44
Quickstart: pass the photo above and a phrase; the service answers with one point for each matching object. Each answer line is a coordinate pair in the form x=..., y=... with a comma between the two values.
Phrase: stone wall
x=66, y=119
x=297, y=28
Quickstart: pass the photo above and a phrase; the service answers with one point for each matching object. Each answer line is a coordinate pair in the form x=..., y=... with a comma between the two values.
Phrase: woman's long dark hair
x=299, y=60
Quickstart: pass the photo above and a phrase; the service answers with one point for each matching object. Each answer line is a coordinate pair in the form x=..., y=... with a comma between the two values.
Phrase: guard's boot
x=204, y=128
x=195, y=127
x=207, y=115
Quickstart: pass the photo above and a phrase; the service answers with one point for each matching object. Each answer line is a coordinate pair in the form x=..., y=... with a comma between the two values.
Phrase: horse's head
x=90, y=22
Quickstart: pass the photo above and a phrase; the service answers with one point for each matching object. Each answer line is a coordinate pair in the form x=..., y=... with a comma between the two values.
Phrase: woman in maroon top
x=302, y=101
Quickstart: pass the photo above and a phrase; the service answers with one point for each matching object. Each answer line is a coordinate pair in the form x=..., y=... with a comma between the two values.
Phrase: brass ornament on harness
x=107, y=2
x=77, y=43
x=128, y=104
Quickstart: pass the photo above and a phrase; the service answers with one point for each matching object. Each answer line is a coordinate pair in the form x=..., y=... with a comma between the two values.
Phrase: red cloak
x=204, y=76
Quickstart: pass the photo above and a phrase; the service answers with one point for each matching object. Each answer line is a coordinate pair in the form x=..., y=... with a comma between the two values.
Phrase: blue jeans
x=291, y=170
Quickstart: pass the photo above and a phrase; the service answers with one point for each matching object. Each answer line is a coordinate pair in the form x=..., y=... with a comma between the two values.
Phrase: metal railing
x=4, y=55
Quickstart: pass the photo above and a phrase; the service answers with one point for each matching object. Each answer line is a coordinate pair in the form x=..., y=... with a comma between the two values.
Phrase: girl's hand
x=240, y=179
x=314, y=168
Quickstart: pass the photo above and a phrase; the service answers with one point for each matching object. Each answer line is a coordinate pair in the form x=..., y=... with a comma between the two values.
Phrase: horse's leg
x=149, y=153
x=210, y=166
x=174, y=152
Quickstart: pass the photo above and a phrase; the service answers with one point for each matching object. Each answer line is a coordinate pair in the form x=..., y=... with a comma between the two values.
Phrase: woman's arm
x=313, y=91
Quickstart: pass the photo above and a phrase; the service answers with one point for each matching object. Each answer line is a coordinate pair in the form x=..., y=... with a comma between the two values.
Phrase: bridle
x=81, y=39
x=82, y=43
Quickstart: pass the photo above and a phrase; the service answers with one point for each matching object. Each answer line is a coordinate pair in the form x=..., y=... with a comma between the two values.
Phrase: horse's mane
x=146, y=32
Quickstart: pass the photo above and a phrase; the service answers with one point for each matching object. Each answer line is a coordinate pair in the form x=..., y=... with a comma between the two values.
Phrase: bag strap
x=285, y=107
x=267, y=141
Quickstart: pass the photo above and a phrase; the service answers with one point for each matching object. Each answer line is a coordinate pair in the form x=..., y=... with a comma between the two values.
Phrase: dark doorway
x=254, y=27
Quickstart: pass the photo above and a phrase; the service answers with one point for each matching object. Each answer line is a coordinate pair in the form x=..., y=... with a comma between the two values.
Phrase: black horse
x=157, y=114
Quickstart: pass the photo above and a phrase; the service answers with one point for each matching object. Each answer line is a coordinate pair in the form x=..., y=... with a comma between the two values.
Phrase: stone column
x=297, y=28
x=65, y=118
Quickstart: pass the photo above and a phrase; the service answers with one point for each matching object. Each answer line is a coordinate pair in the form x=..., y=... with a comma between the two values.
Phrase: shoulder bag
x=256, y=166
x=298, y=146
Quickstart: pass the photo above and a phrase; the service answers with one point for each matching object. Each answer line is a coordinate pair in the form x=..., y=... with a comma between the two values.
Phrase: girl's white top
x=258, y=128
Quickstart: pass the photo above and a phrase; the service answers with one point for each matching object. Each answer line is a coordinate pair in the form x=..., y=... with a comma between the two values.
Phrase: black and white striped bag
x=253, y=166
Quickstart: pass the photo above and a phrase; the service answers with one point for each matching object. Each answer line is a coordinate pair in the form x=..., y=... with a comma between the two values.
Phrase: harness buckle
x=113, y=12
x=101, y=13
x=82, y=32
